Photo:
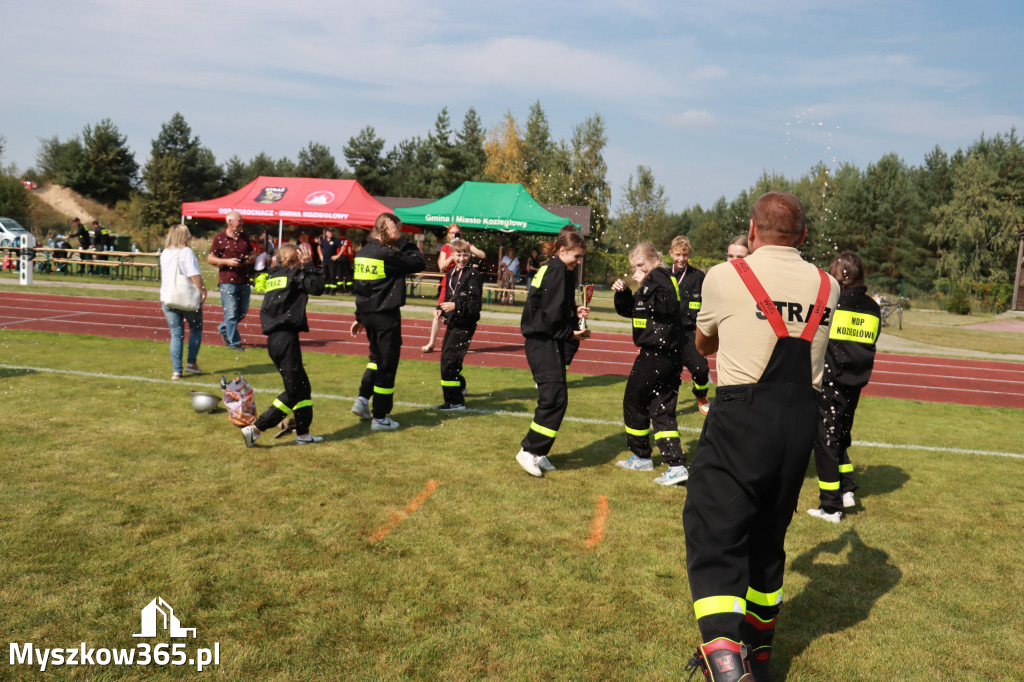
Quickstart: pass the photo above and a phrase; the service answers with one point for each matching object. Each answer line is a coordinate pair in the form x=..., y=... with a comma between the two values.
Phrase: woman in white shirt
x=177, y=254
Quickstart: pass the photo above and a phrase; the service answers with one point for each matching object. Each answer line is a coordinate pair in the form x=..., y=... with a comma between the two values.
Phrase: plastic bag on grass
x=240, y=399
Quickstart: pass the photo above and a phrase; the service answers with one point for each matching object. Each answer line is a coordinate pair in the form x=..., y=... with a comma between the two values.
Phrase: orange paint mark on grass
x=597, y=525
x=398, y=516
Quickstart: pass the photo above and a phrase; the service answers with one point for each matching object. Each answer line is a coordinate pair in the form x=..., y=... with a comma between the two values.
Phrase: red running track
x=912, y=377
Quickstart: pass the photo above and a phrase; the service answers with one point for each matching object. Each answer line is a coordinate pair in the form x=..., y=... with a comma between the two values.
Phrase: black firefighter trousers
x=283, y=348
x=547, y=362
x=652, y=391
x=744, y=483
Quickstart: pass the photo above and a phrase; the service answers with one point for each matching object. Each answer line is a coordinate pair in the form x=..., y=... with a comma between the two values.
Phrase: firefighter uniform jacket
x=690, y=281
x=550, y=308
x=850, y=355
x=284, y=300
x=655, y=310
x=380, y=275
x=465, y=290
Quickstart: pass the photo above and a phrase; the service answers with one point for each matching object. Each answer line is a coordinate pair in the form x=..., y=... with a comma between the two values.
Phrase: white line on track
x=503, y=413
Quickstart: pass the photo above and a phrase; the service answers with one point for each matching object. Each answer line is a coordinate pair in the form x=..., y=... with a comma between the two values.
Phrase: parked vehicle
x=11, y=231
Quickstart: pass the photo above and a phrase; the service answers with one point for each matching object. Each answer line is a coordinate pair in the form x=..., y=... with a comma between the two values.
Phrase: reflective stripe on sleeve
x=666, y=434
x=451, y=383
x=638, y=432
x=303, y=403
x=539, y=277
x=281, y=406
x=371, y=365
x=828, y=485
x=383, y=391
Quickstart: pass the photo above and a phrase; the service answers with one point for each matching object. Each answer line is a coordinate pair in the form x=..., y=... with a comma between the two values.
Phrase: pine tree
x=316, y=161
x=109, y=167
x=364, y=155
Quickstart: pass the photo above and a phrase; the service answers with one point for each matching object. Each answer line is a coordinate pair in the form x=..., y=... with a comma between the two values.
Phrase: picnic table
x=116, y=264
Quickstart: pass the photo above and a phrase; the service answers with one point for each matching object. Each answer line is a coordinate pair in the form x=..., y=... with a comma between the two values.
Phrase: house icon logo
x=159, y=614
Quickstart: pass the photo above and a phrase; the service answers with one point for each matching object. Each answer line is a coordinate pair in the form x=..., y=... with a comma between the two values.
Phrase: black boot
x=758, y=636
x=721, y=660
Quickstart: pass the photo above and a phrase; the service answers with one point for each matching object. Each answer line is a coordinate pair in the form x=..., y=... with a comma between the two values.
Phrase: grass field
x=428, y=554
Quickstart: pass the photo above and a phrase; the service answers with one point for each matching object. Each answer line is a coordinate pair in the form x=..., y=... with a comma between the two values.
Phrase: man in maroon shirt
x=232, y=253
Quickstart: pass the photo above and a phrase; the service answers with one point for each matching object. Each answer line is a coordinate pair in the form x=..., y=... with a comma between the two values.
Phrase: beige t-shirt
x=746, y=338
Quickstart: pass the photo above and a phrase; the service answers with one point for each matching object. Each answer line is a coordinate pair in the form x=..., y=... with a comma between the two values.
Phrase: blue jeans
x=235, y=300
x=176, y=320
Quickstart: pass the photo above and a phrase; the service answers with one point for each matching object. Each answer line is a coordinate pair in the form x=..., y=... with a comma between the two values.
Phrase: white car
x=11, y=231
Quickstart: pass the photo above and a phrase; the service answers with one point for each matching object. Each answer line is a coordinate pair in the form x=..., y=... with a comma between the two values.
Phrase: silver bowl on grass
x=204, y=402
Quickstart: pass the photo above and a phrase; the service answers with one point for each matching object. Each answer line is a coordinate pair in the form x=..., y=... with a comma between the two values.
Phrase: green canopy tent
x=503, y=206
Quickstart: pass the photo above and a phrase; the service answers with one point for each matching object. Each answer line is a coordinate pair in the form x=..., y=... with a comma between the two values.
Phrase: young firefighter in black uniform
x=653, y=385
x=461, y=309
x=283, y=316
x=550, y=319
x=767, y=317
x=329, y=247
x=690, y=281
x=848, y=362
x=380, y=270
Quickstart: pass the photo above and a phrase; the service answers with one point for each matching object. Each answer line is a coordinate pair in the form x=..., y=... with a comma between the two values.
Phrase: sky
x=708, y=95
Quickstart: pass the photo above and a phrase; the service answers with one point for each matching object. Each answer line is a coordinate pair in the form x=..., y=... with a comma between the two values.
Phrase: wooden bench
x=430, y=279
x=498, y=292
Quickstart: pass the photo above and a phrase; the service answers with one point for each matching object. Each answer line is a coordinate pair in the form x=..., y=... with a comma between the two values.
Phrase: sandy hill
x=65, y=201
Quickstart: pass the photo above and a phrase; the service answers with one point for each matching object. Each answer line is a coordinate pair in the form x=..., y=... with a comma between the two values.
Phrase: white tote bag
x=183, y=294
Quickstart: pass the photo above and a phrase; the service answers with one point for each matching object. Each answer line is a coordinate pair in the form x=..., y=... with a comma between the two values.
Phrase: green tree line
x=952, y=219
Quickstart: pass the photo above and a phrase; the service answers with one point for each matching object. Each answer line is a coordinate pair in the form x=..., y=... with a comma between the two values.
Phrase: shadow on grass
x=595, y=381
x=881, y=479
x=592, y=454
x=837, y=595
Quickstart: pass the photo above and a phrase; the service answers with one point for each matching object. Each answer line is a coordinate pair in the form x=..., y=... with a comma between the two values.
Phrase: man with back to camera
x=232, y=253
x=767, y=316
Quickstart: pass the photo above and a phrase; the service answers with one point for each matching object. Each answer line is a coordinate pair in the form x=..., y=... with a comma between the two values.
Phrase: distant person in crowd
x=346, y=252
x=444, y=263
x=767, y=317
x=849, y=359
x=461, y=312
x=232, y=253
x=508, y=275
x=283, y=318
x=263, y=259
x=380, y=270
x=101, y=242
x=79, y=232
x=690, y=280
x=649, y=402
x=330, y=248
x=549, y=321
x=532, y=264
x=177, y=254
x=738, y=248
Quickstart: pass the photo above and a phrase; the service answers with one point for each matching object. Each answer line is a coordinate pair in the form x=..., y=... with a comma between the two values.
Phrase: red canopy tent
x=296, y=201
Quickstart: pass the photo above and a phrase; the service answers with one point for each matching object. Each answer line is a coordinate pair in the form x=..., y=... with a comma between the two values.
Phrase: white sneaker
x=674, y=476
x=385, y=424
x=249, y=435
x=635, y=463
x=849, y=500
x=544, y=464
x=834, y=517
x=310, y=438
x=361, y=409
x=528, y=461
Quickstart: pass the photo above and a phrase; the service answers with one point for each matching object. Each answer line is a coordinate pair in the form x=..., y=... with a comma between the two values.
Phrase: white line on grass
x=502, y=413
